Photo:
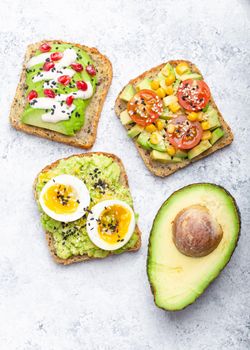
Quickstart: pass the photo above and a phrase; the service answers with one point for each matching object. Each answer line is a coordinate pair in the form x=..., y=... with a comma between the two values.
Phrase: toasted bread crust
x=49, y=238
x=85, y=137
x=158, y=168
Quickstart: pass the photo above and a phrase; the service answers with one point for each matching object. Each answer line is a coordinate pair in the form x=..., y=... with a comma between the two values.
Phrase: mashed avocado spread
x=101, y=176
x=53, y=76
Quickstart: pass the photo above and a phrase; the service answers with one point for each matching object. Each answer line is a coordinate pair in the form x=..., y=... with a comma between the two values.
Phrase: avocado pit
x=196, y=232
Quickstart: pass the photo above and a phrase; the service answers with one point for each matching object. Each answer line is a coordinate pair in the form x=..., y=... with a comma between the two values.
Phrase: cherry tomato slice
x=186, y=135
x=145, y=107
x=193, y=95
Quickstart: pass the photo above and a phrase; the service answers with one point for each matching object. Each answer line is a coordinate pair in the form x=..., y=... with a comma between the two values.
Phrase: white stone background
x=103, y=305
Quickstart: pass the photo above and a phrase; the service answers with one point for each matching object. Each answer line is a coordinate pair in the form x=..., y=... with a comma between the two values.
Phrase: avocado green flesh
x=177, y=280
x=72, y=239
x=69, y=127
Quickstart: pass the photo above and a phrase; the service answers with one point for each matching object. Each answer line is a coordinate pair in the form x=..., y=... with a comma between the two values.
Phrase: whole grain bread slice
x=85, y=137
x=123, y=181
x=158, y=168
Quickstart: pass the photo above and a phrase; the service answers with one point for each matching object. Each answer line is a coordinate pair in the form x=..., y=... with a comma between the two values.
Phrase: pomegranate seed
x=91, y=70
x=69, y=100
x=49, y=93
x=32, y=94
x=56, y=56
x=64, y=79
x=77, y=67
x=81, y=85
x=45, y=47
x=48, y=66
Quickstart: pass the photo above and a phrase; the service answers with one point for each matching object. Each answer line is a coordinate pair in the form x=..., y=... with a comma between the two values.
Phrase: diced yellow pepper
x=171, y=128
x=159, y=124
x=192, y=116
x=174, y=107
x=170, y=79
x=206, y=135
x=200, y=117
x=169, y=90
x=171, y=150
x=155, y=84
x=154, y=139
x=205, y=125
x=150, y=128
x=160, y=92
x=181, y=68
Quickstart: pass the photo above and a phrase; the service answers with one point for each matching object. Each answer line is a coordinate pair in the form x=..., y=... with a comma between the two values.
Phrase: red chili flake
x=81, y=85
x=77, y=67
x=32, y=94
x=45, y=47
x=91, y=70
x=64, y=79
x=49, y=93
x=69, y=100
x=48, y=66
x=56, y=56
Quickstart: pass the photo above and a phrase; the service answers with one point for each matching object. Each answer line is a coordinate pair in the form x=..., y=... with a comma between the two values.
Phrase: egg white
x=82, y=194
x=92, y=224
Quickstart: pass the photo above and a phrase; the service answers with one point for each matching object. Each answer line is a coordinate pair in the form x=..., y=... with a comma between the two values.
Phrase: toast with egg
x=123, y=179
x=158, y=168
x=85, y=137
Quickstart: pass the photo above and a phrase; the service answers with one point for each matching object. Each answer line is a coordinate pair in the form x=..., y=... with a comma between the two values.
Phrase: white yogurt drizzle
x=58, y=110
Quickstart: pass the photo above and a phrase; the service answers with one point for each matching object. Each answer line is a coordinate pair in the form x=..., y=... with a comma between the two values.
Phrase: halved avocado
x=176, y=279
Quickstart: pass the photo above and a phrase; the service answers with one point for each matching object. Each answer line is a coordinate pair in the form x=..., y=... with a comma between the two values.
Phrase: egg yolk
x=61, y=199
x=113, y=224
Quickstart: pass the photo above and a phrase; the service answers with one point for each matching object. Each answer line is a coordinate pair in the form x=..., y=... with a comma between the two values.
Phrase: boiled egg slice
x=65, y=198
x=110, y=224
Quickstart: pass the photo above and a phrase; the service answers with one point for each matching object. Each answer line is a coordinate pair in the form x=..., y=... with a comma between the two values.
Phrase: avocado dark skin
x=236, y=243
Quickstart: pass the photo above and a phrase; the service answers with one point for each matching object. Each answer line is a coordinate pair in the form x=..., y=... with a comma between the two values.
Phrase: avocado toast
x=171, y=116
x=105, y=178
x=61, y=92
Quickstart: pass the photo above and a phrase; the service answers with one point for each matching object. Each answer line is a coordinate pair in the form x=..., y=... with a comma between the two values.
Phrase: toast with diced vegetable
x=171, y=116
x=61, y=92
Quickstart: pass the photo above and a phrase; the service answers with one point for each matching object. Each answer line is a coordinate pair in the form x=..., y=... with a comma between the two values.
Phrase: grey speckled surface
x=107, y=304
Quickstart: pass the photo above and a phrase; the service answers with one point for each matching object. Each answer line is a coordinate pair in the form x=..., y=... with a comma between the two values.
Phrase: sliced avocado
x=33, y=117
x=127, y=93
x=168, y=100
x=143, y=140
x=177, y=280
x=212, y=118
x=125, y=118
x=216, y=135
x=200, y=148
x=135, y=130
x=161, y=146
x=160, y=157
x=195, y=76
x=167, y=69
x=181, y=154
x=144, y=85
x=167, y=114
x=176, y=85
